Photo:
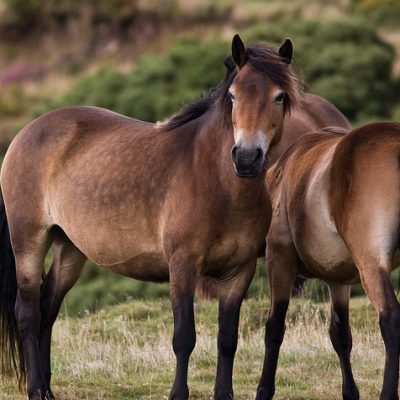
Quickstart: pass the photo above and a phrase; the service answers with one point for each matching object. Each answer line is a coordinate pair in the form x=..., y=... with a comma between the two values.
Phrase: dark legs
x=375, y=277
x=182, y=287
x=380, y=292
x=298, y=287
x=340, y=334
x=281, y=276
x=28, y=319
x=67, y=265
x=389, y=322
x=230, y=301
x=29, y=266
x=37, y=308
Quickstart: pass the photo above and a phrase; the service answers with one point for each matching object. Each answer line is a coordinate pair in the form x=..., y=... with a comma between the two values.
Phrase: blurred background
x=145, y=58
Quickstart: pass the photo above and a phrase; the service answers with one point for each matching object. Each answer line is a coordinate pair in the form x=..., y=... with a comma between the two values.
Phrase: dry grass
x=124, y=352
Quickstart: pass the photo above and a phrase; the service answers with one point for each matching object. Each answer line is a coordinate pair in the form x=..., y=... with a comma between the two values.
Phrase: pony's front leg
x=183, y=279
x=281, y=267
x=231, y=295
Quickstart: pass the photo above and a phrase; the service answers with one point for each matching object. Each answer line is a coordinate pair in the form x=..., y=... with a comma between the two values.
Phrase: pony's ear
x=286, y=51
x=238, y=51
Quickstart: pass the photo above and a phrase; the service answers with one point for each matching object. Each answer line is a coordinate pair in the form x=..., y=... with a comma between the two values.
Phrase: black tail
x=11, y=358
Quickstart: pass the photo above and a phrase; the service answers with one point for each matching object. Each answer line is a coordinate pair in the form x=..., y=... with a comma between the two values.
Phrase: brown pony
x=312, y=113
x=155, y=202
x=336, y=217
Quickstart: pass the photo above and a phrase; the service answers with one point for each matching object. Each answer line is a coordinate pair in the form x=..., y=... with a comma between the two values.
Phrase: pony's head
x=262, y=92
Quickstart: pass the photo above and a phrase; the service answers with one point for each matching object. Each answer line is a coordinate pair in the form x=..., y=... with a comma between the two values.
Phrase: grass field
x=124, y=352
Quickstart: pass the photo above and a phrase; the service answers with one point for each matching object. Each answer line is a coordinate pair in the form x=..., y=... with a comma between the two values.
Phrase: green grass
x=124, y=352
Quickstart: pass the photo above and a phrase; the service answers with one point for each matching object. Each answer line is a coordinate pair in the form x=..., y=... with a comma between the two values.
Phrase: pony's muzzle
x=248, y=161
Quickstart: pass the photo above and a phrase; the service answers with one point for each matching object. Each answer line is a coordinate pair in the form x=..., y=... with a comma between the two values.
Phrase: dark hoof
x=182, y=394
x=50, y=395
x=385, y=396
x=264, y=394
x=41, y=395
x=226, y=397
x=223, y=396
x=351, y=394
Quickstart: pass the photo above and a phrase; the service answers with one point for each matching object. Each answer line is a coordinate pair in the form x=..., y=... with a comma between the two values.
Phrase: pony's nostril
x=259, y=155
x=234, y=153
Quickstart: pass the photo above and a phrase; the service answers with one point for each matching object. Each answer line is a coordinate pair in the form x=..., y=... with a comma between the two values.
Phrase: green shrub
x=101, y=89
x=157, y=87
x=344, y=61
x=381, y=12
x=25, y=14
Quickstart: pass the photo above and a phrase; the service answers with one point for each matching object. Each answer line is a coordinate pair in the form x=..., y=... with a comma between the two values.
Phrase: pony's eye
x=280, y=98
x=232, y=97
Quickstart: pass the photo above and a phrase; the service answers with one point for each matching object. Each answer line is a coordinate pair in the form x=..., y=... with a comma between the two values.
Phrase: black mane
x=260, y=57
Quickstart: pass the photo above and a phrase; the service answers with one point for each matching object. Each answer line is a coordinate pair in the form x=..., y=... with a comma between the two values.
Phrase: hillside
x=45, y=47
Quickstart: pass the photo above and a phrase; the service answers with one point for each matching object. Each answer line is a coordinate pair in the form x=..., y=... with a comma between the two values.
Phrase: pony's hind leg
x=375, y=278
x=340, y=334
x=373, y=253
x=282, y=262
x=66, y=268
x=29, y=268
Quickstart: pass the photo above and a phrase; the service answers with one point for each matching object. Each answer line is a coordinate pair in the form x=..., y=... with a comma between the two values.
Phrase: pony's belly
x=319, y=245
x=138, y=260
x=144, y=267
x=124, y=248
x=326, y=257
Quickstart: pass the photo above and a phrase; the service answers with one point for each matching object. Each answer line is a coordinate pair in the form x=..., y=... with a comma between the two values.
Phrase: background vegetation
x=145, y=59
x=354, y=71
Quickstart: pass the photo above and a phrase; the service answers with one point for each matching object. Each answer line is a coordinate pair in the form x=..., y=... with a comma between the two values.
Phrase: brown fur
x=154, y=202
x=313, y=112
x=336, y=217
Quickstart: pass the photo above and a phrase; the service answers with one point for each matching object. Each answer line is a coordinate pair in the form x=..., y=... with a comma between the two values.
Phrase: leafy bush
x=344, y=61
x=28, y=13
x=158, y=86
x=381, y=12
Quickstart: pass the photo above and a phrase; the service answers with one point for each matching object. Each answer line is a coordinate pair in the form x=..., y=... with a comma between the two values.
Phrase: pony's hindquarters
x=366, y=209
x=27, y=332
x=365, y=195
x=30, y=233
